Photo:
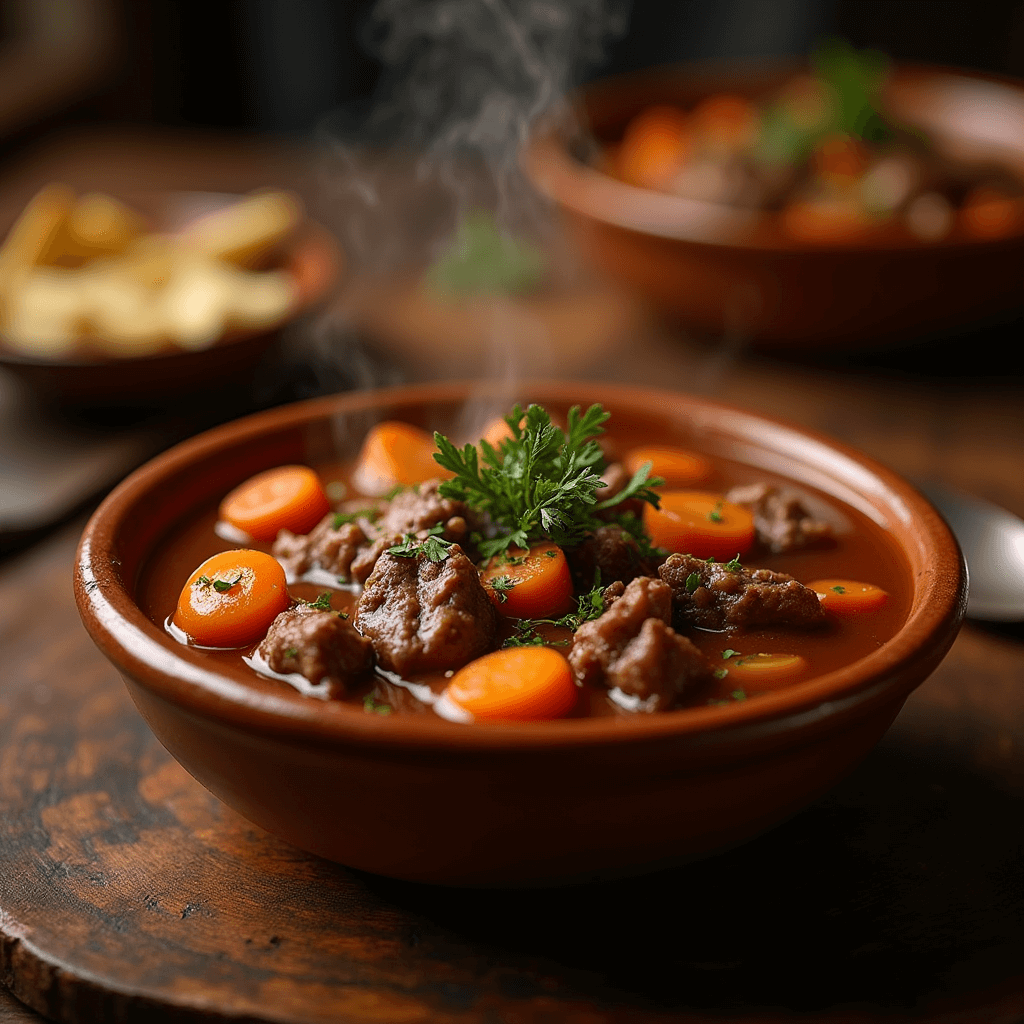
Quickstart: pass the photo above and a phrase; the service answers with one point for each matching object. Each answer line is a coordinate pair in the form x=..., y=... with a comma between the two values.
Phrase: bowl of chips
x=100, y=302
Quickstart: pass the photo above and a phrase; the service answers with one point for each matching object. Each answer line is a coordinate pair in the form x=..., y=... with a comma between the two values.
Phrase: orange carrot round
x=654, y=147
x=231, y=599
x=395, y=454
x=725, y=122
x=524, y=683
x=700, y=523
x=990, y=213
x=765, y=671
x=848, y=597
x=530, y=584
x=676, y=466
x=285, y=498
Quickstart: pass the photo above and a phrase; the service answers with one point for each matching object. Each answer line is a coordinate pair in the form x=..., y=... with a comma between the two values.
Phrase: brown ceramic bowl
x=722, y=269
x=419, y=798
x=312, y=258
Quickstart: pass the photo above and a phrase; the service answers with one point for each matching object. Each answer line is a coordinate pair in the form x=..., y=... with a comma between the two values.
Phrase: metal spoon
x=992, y=541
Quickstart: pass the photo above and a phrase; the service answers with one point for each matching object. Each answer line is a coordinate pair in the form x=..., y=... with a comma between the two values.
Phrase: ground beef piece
x=780, y=520
x=615, y=478
x=633, y=647
x=425, y=616
x=611, y=550
x=708, y=595
x=324, y=547
x=419, y=509
x=317, y=644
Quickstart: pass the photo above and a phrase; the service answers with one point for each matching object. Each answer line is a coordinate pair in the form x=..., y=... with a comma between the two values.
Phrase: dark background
x=278, y=65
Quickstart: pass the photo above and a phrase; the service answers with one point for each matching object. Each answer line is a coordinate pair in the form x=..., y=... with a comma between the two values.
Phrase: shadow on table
x=904, y=888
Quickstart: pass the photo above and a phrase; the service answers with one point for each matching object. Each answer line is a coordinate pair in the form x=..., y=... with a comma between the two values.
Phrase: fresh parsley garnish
x=501, y=585
x=729, y=653
x=539, y=483
x=322, y=603
x=692, y=582
x=223, y=586
x=525, y=638
x=589, y=606
x=203, y=581
x=344, y=518
x=375, y=707
x=738, y=694
x=733, y=565
x=433, y=547
x=292, y=652
x=715, y=515
x=839, y=590
x=721, y=673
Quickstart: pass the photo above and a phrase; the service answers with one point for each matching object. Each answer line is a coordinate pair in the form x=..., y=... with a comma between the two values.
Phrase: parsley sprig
x=588, y=606
x=433, y=547
x=539, y=483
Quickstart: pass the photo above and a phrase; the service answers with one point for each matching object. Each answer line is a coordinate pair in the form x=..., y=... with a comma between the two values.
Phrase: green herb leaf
x=729, y=653
x=715, y=515
x=692, y=582
x=223, y=586
x=733, y=565
x=375, y=707
x=203, y=581
x=721, y=673
x=343, y=518
x=539, y=483
x=501, y=585
x=839, y=590
x=435, y=548
x=738, y=694
x=322, y=603
x=292, y=652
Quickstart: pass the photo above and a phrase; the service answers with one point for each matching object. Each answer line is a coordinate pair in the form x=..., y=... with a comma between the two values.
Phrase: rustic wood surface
x=128, y=893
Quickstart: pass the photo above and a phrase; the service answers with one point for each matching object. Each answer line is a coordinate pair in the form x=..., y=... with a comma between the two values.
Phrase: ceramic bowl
x=311, y=257
x=725, y=270
x=418, y=798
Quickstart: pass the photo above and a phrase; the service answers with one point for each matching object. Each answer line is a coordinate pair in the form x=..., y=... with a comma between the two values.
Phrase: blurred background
x=398, y=128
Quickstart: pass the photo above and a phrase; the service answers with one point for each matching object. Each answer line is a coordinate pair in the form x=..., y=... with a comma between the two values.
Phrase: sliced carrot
x=530, y=584
x=524, y=683
x=725, y=122
x=700, y=523
x=848, y=597
x=840, y=159
x=395, y=454
x=232, y=598
x=285, y=498
x=496, y=431
x=654, y=147
x=989, y=213
x=676, y=466
x=765, y=671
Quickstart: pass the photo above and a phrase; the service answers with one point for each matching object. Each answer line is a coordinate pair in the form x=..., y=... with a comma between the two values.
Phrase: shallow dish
x=724, y=269
x=419, y=798
x=311, y=257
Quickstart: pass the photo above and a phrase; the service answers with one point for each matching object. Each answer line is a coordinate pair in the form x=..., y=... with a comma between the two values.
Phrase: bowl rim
x=592, y=193
x=150, y=657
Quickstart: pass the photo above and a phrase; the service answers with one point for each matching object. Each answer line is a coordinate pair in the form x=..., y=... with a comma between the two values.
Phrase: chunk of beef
x=615, y=478
x=633, y=647
x=611, y=550
x=415, y=511
x=324, y=547
x=320, y=645
x=708, y=595
x=780, y=520
x=425, y=616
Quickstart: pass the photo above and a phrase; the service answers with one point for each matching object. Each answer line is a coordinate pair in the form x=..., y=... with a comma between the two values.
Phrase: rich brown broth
x=862, y=551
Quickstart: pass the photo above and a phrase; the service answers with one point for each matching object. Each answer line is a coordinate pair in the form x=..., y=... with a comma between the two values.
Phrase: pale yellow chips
x=85, y=273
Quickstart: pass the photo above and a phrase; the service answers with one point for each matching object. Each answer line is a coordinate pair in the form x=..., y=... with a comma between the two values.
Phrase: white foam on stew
x=631, y=702
x=232, y=534
x=448, y=709
x=421, y=691
x=258, y=664
x=322, y=578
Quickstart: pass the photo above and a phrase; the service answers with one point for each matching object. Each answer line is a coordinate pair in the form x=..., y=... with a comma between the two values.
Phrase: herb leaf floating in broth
x=541, y=482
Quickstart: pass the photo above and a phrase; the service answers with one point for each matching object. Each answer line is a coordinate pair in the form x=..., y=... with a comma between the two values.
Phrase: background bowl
x=723, y=269
x=312, y=258
x=418, y=798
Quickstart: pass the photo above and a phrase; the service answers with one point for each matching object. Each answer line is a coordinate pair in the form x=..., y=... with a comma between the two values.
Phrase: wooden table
x=126, y=890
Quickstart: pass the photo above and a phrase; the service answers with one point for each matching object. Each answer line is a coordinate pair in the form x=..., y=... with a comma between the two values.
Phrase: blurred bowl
x=727, y=270
x=310, y=256
x=416, y=797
